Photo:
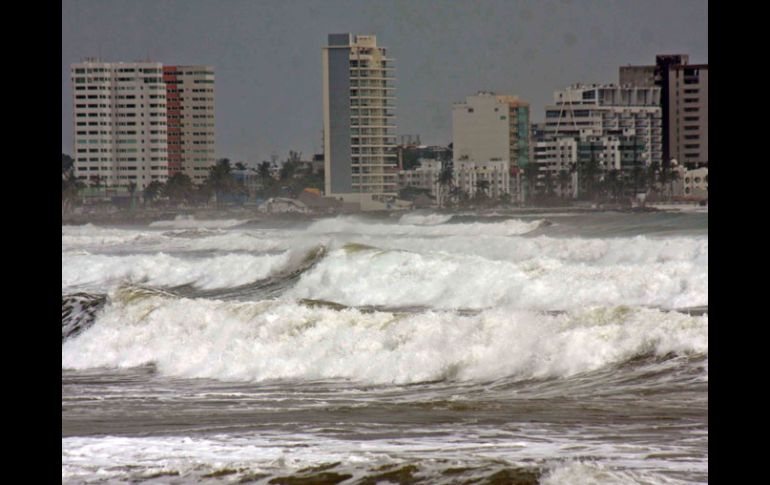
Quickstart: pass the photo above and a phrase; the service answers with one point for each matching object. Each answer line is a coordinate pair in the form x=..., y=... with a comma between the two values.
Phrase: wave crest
x=257, y=341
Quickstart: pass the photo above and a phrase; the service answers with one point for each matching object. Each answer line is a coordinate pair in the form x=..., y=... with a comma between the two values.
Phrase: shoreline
x=147, y=216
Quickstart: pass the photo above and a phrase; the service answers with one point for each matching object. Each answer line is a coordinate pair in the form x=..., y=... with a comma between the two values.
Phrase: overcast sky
x=267, y=54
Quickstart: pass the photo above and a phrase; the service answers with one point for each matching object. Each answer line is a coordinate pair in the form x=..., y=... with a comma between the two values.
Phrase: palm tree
x=70, y=187
x=652, y=176
x=564, y=180
x=179, y=188
x=131, y=187
x=220, y=180
x=530, y=174
x=445, y=180
x=152, y=191
x=482, y=186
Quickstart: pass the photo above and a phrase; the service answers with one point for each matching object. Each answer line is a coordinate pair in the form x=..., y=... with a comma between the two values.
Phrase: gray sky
x=267, y=54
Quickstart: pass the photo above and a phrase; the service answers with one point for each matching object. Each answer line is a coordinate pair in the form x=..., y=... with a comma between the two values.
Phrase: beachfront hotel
x=619, y=128
x=360, y=160
x=139, y=122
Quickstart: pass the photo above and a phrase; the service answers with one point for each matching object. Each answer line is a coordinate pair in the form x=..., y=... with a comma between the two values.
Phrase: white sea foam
x=286, y=340
x=83, y=269
x=189, y=222
x=420, y=219
x=638, y=249
x=593, y=473
x=354, y=225
x=94, y=236
x=441, y=280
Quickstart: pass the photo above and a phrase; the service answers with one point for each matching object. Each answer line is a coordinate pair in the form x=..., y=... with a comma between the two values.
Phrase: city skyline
x=268, y=62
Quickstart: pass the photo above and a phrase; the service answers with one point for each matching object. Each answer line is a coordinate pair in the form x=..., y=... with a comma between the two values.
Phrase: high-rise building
x=121, y=123
x=190, y=102
x=492, y=128
x=599, y=128
x=358, y=103
x=684, y=103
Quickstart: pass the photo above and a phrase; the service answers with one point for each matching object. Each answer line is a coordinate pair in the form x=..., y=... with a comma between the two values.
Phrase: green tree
x=530, y=178
x=445, y=181
x=67, y=164
x=564, y=179
x=152, y=191
x=220, y=181
x=288, y=169
x=179, y=188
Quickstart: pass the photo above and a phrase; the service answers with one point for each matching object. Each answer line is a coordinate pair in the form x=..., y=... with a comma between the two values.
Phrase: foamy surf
x=102, y=272
x=285, y=340
x=446, y=281
x=353, y=225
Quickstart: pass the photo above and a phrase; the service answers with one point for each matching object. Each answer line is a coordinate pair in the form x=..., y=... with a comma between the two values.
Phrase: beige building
x=492, y=128
x=360, y=161
x=127, y=131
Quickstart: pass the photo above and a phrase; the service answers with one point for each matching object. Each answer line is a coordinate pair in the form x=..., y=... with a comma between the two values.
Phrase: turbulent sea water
x=424, y=348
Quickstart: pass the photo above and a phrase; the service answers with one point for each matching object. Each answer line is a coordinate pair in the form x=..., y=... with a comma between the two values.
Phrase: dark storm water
x=557, y=416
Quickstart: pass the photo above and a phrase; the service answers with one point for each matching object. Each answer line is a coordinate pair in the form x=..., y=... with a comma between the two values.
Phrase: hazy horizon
x=267, y=55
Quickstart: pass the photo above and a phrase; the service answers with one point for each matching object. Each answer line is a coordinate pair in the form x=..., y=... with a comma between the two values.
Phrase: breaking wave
x=85, y=270
x=429, y=219
x=353, y=225
x=256, y=341
x=362, y=275
x=190, y=222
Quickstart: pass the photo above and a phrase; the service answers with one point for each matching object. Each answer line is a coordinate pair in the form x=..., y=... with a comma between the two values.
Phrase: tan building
x=491, y=127
x=488, y=127
x=125, y=130
x=360, y=161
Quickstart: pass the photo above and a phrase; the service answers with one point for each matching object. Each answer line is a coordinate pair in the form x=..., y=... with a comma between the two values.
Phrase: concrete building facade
x=191, y=137
x=360, y=161
x=491, y=177
x=606, y=127
x=491, y=127
x=684, y=104
x=121, y=124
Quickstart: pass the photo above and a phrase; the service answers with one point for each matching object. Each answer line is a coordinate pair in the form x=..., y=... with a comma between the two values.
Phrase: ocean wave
x=371, y=276
x=275, y=339
x=190, y=222
x=85, y=270
x=424, y=219
x=354, y=225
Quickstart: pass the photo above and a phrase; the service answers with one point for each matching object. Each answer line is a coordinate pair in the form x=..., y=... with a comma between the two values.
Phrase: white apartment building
x=360, y=159
x=119, y=123
x=124, y=127
x=467, y=176
x=425, y=176
x=618, y=128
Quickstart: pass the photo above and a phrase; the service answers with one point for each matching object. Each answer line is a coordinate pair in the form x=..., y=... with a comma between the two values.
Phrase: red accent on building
x=173, y=120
